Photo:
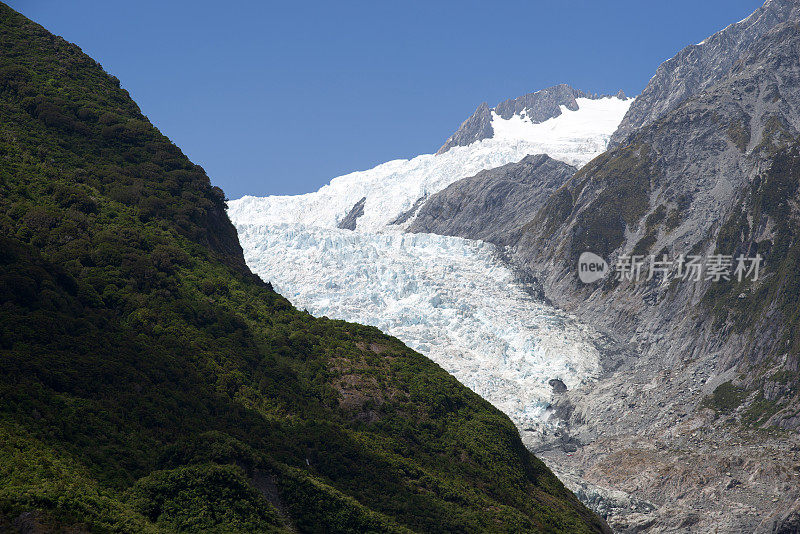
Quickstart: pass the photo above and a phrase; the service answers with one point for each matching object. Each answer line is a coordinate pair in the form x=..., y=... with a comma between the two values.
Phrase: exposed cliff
x=495, y=204
x=698, y=410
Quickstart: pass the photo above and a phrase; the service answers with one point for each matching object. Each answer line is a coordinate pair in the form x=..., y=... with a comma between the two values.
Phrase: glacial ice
x=451, y=299
x=448, y=298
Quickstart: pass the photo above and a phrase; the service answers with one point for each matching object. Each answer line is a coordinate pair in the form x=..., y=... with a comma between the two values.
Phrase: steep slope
x=494, y=204
x=716, y=175
x=699, y=409
x=698, y=67
x=151, y=383
x=340, y=252
x=703, y=362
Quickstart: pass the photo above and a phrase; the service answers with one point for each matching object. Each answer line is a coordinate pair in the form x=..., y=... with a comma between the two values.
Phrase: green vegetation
x=654, y=219
x=726, y=398
x=739, y=133
x=651, y=225
x=151, y=383
x=775, y=136
x=624, y=182
x=759, y=411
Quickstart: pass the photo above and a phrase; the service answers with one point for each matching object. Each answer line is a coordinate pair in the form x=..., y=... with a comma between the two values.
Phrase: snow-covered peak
x=594, y=119
x=392, y=188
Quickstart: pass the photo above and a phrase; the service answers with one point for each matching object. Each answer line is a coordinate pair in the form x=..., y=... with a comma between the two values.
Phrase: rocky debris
x=679, y=482
x=606, y=502
x=350, y=220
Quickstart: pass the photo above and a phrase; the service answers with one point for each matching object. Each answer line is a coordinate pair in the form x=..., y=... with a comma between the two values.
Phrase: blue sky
x=280, y=97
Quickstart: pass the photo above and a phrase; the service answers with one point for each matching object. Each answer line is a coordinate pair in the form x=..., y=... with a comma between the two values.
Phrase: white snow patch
x=586, y=130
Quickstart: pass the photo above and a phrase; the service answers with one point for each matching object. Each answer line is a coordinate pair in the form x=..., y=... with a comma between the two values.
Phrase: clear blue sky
x=280, y=97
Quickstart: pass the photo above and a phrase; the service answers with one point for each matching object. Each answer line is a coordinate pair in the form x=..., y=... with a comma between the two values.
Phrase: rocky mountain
x=715, y=175
x=495, y=204
x=698, y=67
x=698, y=411
x=149, y=382
x=534, y=107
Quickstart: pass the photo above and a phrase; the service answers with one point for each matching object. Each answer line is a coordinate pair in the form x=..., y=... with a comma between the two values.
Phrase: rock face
x=716, y=174
x=495, y=204
x=350, y=220
x=697, y=67
x=475, y=128
x=541, y=105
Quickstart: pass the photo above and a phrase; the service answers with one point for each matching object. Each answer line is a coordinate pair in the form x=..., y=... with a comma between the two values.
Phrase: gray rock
x=783, y=522
x=475, y=128
x=542, y=105
x=558, y=386
x=351, y=219
x=698, y=67
x=494, y=204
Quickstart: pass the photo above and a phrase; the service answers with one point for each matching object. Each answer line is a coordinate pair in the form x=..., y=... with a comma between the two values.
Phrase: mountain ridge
x=537, y=107
x=697, y=67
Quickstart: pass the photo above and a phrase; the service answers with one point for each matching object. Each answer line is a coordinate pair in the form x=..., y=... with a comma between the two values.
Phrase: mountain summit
x=533, y=108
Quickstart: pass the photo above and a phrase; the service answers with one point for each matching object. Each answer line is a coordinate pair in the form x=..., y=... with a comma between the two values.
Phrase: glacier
x=451, y=299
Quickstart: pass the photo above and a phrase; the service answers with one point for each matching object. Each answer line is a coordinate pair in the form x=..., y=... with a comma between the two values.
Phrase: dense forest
x=150, y=383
